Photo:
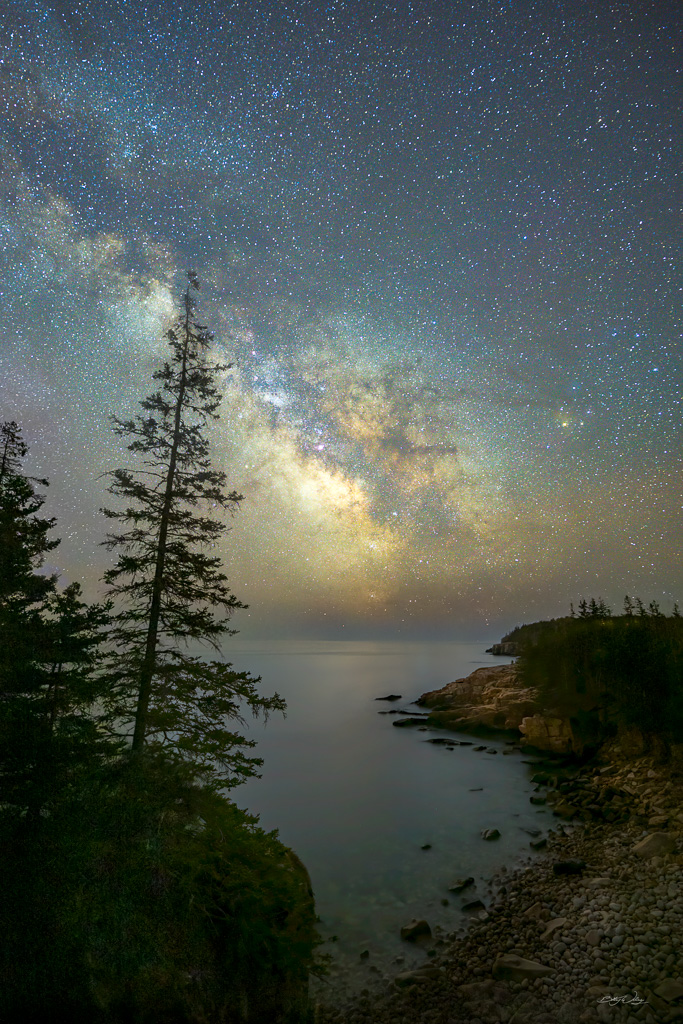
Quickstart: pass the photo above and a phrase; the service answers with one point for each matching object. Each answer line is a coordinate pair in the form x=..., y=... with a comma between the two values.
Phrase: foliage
x=133, y=890
x=627, y=668
x=170, y=589
x=48, y=644
x=145, y=897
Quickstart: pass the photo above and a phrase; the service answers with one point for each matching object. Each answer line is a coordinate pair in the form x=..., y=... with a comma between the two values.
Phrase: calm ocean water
x=357, y=798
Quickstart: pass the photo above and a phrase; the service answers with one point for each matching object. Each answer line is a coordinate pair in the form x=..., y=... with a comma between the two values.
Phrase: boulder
x=490, y=833
x=655, y=845
x=416, y=929
x=390, y=696
x=510, y=967
x=461, y=883
x=420, y=976
x=550, y=733
x=670, y=990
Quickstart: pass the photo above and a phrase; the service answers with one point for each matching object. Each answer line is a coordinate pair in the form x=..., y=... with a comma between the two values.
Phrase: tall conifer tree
x=171, y=591
x=48, y=649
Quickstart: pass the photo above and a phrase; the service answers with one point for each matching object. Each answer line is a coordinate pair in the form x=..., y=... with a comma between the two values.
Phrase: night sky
x=441, y=244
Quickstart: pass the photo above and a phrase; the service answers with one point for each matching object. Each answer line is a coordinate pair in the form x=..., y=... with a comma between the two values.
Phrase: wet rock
x=427, y=846
x=538, y=844
x=404, y=722
x=416, y=929
x=490, y=833
x=461, y=883
x=473, y=905
x=491, y=750
x=655, y=845
x=537, y=801
x=510, y=967
x=366, y=952
x=390, y=696
x=420, y=976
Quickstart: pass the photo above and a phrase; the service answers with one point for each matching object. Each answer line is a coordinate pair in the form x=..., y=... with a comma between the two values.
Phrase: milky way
x=440, y=244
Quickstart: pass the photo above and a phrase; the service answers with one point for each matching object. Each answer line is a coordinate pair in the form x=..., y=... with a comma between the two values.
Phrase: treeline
x=133, y=889
x=609, y=671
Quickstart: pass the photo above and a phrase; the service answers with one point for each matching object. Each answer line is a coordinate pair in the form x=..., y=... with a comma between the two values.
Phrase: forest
x=135, y=888
x=612, y=672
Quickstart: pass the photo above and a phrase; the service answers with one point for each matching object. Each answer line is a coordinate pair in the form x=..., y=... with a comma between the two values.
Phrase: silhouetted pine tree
x=171, y=591
x=48, y=643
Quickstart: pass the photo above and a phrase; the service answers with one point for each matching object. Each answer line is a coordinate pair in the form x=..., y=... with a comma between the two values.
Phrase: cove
x=357, y=799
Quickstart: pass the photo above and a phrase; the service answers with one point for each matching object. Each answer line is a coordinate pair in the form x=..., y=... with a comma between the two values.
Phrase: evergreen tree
x=171, y=591
x=48, y=643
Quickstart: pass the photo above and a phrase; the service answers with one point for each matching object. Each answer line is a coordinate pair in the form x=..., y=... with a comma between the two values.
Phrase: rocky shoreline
x=586, y=934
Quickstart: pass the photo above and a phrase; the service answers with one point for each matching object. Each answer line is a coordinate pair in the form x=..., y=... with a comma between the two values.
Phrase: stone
x=534, y=912
x=655, y=845
x=461, y=883
x=416, y=929
x=594, y=937
x=390, y=696
x=473, y=905
x=511, y=967
x=490, y=833
x=420, y=976
x=537, y=801
x=670, y=990
x=568, y=867
x=490, y=696
x=596, y=883
x=552, y=927
x=405, y=722
x=550, y=733
x=538, y=844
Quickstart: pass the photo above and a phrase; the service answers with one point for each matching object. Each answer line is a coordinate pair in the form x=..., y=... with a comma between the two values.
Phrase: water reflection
x=357, y=798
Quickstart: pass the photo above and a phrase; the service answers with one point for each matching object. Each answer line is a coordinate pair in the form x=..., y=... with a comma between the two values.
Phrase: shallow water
x=357, y=798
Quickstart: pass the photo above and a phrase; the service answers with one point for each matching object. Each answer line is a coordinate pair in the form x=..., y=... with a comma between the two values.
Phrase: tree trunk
x=149, y=660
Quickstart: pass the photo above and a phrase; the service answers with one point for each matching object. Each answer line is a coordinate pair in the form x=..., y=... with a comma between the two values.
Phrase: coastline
x=600, y=941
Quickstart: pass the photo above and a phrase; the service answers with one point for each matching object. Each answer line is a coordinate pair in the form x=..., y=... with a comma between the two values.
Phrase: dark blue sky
x=441, y=242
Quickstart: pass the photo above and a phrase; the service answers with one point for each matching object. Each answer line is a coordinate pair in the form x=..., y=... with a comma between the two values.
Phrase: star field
x=440, y=243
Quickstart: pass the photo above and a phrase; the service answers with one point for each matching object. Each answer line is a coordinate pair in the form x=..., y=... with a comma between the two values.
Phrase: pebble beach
x=590, y=932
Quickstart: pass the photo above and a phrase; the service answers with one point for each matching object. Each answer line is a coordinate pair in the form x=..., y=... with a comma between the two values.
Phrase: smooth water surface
x=357, y=798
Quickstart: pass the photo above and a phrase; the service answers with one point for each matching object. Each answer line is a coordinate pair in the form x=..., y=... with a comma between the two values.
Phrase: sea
x=384, y=821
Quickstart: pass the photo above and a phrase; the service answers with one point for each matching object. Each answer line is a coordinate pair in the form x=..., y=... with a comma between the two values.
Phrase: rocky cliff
x=494, y=698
